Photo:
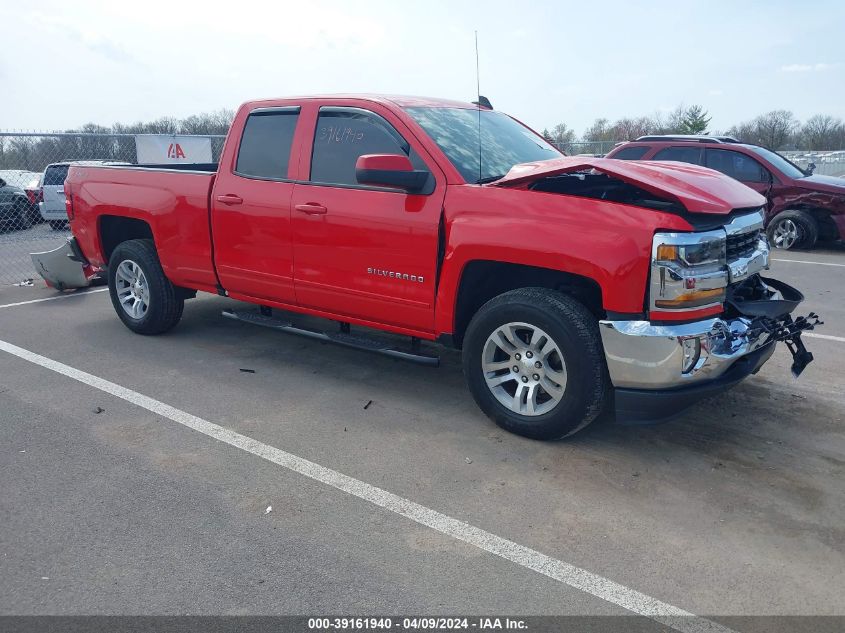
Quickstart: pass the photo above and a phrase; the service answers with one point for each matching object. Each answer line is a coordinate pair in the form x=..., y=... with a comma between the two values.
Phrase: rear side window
x=344, y=134
x=680, y=154
x=266, y=142
x=55, y=175
x=736, y=165
x=631, y=153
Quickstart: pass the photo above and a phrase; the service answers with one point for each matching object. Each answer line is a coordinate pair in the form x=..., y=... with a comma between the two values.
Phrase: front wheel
x=141, y=294
x=793, y=229
x=534, y=362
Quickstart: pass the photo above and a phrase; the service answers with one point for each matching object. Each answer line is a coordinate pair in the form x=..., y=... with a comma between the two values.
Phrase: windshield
x=504, y=142
x=787, y=167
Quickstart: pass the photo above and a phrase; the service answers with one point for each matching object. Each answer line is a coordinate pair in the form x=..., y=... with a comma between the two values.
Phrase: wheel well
x=483, y=280
x=116, y=229
x=827, y=227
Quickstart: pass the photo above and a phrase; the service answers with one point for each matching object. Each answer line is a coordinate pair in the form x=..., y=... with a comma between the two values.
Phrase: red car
x=801, y=208
x=573, y=286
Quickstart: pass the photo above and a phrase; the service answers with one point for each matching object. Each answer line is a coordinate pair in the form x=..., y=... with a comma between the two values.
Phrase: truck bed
x=173, y=200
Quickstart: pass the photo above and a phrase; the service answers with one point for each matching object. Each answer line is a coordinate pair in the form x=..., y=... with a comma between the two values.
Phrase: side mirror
x=811, y=167
x=389, y=170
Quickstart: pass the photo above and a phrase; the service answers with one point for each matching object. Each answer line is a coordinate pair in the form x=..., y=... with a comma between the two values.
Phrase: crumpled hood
x=697, y=189
x=828, y=184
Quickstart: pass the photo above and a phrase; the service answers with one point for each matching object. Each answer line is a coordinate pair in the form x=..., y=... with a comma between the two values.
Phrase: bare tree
x=627, y=129
x=745, y=132
x=668, y=123
x=599, y=131
x=821, y=131
x=164, y=125
x=207, y=123
x=776, y=128
x=563, y=135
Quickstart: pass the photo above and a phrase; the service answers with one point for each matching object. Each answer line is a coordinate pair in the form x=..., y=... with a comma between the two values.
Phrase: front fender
x=606, y=242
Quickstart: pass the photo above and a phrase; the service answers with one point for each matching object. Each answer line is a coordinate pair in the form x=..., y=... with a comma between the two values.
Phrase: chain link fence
x=588, y=148
x=33, y=166
x=827, y=163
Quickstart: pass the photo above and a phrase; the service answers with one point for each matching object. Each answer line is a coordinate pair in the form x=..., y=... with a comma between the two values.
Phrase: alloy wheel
x=524, y=368
x=133, y=291
x=786, y=234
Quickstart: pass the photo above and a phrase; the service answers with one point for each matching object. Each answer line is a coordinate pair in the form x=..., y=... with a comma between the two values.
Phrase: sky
x=63, y=64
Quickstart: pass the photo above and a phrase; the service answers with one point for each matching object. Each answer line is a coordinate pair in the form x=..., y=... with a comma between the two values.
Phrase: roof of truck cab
x=403, y=101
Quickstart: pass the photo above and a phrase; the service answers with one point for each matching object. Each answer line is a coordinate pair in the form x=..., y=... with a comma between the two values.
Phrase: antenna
x=478, y=94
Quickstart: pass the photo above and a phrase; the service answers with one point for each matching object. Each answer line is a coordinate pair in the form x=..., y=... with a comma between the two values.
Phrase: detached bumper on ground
x=660, y=370
x=65, y=267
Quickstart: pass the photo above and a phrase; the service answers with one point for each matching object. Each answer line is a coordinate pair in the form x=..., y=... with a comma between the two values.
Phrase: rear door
x=363, y=251
x=250, y=208
x=53, y=205
x=680, y=153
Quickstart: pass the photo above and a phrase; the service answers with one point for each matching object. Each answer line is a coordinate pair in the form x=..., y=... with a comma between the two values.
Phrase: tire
x=22, y=212
x=577, y=363
x=793, y=229
x=58, y=225
x=151, y=304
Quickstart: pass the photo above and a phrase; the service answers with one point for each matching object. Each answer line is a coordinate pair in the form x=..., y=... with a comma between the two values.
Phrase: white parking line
x=67, y=296
x=803, y=261
x=558, y=570
x=826, y=337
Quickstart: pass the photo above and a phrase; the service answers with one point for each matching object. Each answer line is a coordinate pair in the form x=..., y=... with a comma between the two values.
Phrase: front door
x=363, y=251
x=741, y=167
x=251, y=208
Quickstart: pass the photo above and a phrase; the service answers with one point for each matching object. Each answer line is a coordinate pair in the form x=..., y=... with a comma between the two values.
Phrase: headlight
x=688, y=270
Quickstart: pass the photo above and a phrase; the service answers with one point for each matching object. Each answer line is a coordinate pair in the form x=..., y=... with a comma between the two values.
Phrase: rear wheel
x=22, y=215
x=534, y=363
x=58, y=225
x=793, y=229
x=141, y=294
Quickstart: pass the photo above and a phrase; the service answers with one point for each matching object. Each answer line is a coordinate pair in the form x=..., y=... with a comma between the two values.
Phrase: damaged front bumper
x=65, y=267
x=659, y=370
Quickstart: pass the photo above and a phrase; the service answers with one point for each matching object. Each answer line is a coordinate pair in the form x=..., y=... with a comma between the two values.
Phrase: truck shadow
x=755, y=425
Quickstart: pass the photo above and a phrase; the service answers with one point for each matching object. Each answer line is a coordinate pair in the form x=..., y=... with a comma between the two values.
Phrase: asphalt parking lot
x=112, y=505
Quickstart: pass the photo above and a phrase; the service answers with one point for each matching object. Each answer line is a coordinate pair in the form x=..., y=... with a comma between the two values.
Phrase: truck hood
x=827, y=184
x=697, y=189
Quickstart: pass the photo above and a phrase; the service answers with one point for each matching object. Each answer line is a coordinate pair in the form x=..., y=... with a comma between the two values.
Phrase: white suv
x=52, y=205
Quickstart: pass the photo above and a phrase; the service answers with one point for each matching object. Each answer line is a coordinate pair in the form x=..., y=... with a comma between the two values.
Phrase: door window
x=736, y=165
x=55, y=175
x=344, y=134
x=680, y=154
x=632, y=153
x=267, y=138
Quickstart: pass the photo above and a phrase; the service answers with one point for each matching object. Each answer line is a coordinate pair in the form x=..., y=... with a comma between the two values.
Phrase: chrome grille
x=742, y=245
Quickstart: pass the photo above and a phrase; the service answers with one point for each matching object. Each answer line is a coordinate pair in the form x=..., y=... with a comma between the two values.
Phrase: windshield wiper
x=485, y=180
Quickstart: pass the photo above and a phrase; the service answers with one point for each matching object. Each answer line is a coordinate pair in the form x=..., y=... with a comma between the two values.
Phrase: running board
x=346, y=339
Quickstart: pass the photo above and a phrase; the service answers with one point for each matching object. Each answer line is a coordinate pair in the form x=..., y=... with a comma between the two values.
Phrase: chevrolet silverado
x=572, y=285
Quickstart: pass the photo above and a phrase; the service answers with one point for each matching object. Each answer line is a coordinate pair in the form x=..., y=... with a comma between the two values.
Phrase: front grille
x=742, y=245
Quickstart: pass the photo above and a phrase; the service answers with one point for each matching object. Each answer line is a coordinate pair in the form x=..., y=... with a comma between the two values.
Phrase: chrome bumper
x=645, y=356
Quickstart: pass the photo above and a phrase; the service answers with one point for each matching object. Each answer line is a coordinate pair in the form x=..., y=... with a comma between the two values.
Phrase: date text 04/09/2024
x=416, y=623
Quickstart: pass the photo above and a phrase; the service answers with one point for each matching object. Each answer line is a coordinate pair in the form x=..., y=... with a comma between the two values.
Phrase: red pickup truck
x=572, y=285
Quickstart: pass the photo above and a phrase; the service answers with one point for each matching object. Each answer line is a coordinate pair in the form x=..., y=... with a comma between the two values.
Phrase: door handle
x=230, y=199
x=312, y=208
